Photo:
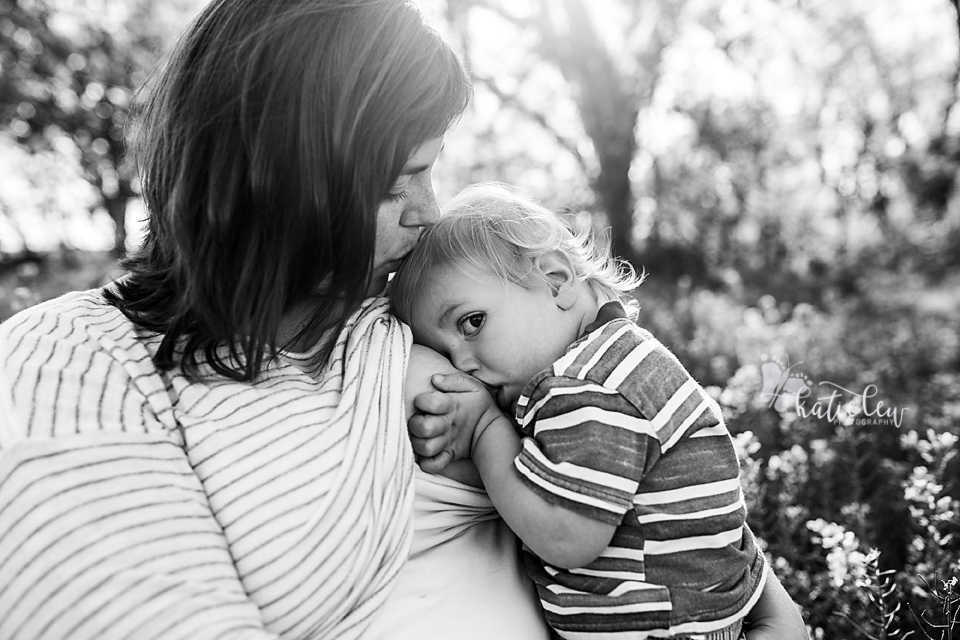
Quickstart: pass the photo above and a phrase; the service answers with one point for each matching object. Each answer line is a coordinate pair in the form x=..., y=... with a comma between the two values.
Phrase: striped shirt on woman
x=136, y=503
x=618, y=431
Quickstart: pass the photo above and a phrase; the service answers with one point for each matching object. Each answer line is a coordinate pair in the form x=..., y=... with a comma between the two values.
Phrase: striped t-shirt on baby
x=617, y=430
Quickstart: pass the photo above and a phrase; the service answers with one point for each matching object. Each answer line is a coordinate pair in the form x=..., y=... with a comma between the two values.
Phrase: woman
x=215, y=446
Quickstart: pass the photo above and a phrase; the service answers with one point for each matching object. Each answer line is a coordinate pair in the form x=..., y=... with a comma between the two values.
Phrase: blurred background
x=785, y=171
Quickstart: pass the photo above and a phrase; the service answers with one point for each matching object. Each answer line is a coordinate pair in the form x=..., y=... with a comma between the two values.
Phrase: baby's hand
x=450, y=420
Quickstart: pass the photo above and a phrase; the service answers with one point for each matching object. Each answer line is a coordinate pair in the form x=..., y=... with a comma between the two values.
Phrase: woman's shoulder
x=374, y=312
x=74, y=304
x=76, y=363
x=73, y=319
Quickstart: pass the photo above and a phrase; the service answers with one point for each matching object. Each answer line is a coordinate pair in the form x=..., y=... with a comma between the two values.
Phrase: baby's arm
x=557, y=535
x=775, y=616
x=463, y=421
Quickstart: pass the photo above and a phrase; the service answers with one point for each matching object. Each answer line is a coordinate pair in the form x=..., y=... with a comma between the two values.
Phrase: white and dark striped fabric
x=135, y=504
x=617, y=430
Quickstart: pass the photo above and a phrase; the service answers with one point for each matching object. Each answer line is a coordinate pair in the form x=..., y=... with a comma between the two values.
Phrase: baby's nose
x=463, y=360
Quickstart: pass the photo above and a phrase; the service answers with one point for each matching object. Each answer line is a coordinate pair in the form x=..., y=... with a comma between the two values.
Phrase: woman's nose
x=422, y=209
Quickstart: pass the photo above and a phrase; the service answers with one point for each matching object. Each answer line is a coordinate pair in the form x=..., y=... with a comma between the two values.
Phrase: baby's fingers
x=433, y=402
x=437, y=463
x=424, y=425
x=429, y=435
x=429, y=447
x=457, y=382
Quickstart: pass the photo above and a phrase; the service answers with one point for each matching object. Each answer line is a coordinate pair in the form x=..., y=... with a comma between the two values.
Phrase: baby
x=619, y=474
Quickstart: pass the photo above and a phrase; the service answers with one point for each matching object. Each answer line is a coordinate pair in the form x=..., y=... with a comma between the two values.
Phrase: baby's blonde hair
x=492, y=229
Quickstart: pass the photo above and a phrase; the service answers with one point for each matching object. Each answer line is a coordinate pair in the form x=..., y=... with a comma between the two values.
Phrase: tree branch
x=956, y=7
x=456, y=6
x=515, y=103
x=955, y=80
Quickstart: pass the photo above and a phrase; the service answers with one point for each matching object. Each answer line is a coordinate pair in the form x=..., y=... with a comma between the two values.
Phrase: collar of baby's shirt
x=608, y=312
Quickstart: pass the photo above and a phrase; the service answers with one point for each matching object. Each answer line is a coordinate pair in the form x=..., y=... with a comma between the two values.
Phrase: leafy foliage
x=68, y=72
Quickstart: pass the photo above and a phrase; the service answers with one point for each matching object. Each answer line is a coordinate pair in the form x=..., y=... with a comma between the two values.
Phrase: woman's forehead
x=423, y=157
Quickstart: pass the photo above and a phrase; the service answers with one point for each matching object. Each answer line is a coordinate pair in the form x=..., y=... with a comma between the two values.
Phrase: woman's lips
x=394, y=265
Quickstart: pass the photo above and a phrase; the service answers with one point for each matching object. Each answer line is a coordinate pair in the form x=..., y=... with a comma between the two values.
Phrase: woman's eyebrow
x=410, y=171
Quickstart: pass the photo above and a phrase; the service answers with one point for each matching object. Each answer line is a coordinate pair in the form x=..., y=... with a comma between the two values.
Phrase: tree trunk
x=615, y=192
x=117, y=208
x=608, y=107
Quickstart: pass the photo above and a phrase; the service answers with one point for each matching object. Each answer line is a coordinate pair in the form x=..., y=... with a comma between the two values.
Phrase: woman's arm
x=104, y=532
x=110, y=536
x=775, y=616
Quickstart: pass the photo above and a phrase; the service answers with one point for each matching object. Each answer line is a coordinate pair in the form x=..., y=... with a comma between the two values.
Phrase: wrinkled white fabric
x=463, y=579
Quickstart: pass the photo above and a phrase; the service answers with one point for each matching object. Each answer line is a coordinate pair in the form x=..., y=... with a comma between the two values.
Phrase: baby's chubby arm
x=775, y=616
x=460, y=420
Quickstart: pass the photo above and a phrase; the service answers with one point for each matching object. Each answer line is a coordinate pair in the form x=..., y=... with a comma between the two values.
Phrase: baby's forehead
x=459, y=270
x=468, y=270
x=463, y=284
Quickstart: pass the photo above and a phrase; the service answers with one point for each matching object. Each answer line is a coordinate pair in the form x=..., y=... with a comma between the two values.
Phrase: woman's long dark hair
x=270, y=138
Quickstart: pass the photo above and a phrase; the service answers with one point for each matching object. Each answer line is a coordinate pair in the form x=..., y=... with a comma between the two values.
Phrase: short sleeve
x=586, y=447
x=105, y=530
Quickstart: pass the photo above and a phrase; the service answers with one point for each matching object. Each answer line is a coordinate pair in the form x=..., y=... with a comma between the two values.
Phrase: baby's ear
x=560, y=274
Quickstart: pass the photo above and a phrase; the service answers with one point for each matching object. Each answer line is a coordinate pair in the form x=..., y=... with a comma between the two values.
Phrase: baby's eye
x=470, y=325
